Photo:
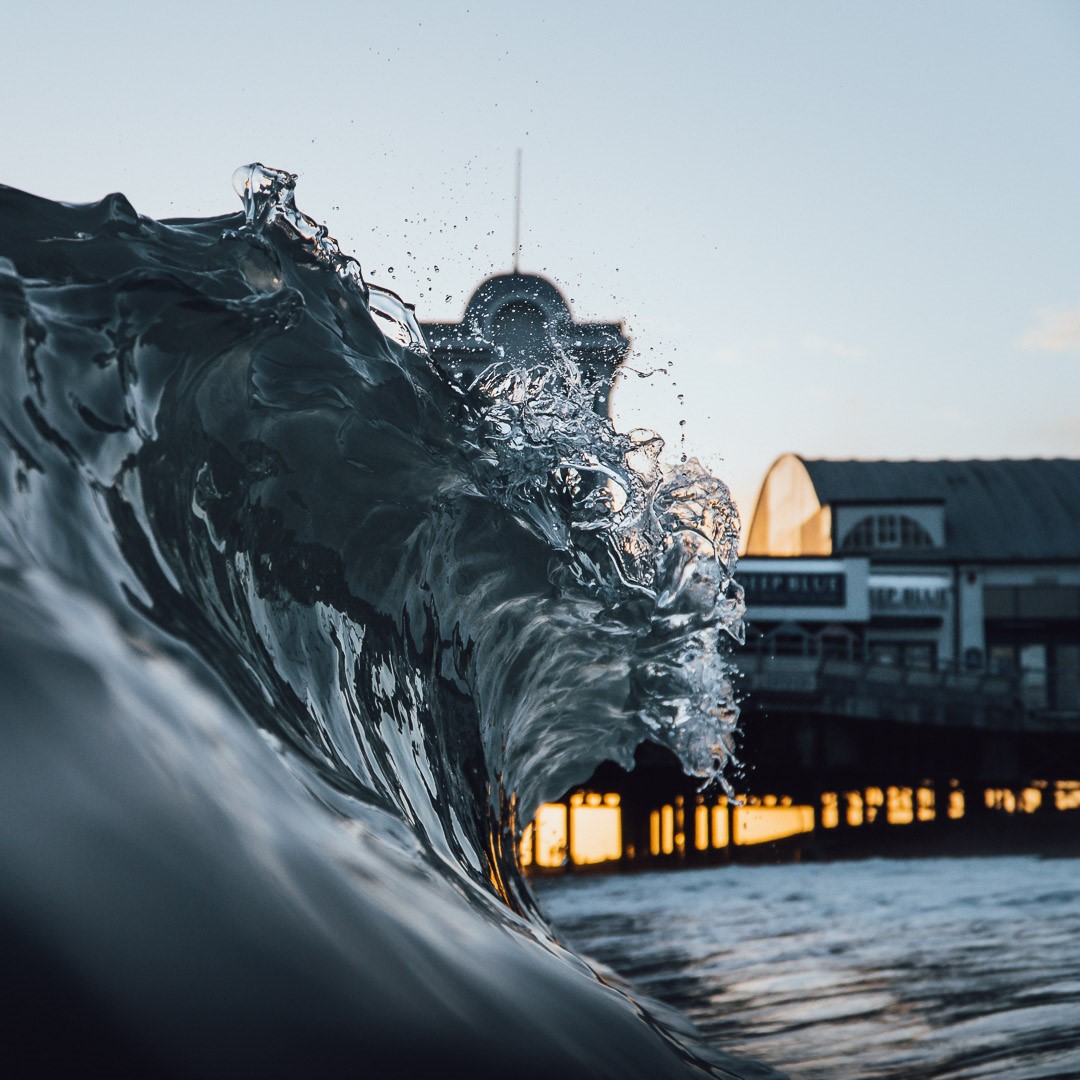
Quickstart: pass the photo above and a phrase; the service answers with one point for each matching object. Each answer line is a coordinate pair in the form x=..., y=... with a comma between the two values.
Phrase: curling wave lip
x=294, y=633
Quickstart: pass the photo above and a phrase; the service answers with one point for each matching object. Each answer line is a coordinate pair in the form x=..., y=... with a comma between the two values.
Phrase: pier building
x=526, y=319
x=910, y=680
x=923, y=566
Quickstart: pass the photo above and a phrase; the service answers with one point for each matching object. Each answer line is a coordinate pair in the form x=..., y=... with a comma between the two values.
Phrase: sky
x=843, y=229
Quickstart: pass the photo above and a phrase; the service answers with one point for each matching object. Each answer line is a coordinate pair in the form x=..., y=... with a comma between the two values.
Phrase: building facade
x=923, y=566
x=526, y=320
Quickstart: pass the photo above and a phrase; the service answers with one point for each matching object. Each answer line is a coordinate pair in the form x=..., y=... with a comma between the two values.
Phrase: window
x=886, y=531
x=790, y=639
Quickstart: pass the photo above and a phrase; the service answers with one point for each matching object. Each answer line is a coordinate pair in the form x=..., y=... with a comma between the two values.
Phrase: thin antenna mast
x=517, y=214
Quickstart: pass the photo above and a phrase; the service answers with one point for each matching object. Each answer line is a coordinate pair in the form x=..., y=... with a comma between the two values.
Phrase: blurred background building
x=925, y=566
x=525, y=319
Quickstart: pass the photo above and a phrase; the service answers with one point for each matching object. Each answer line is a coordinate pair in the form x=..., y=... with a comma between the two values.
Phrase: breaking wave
x=297, y=629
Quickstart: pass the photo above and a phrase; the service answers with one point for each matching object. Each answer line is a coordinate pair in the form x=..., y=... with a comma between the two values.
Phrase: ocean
x=297, y=629
x=875, y=969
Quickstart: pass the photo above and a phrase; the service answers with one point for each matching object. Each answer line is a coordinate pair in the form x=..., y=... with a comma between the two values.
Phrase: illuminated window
x=1000, y=799
x=550, y=825
x=701, y=827
x=898, y=806
x=595, y=828
x=667, y=829
x=925, y=808
x=1067, y=795
x=830, y=810
x=956, y=801
x=1029, y=800
x=854, y=808
x=720, y=824
x=761, y=824
x=873, y=801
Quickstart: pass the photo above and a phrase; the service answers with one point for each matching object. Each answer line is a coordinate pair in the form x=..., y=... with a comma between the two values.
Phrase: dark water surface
x=907, y=969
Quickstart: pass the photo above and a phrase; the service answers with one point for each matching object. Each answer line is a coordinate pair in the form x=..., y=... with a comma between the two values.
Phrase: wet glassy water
x=907, y=968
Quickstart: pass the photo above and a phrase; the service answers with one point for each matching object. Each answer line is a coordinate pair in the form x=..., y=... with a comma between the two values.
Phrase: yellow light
x=525, y=848
x=720, y=825
x=1067, y=794
x=667, y=829
x=830, y=812
x=654, y=832
x=1029, y=800
x=550, y=823
x=898, y=806
x=760, y=824
x=854, y=808
x=595, y=833
x=956, y=804
x=701, y=827
x=925, y=802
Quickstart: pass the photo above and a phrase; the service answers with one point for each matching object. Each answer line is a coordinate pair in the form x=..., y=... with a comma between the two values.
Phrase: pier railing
x=946, y=694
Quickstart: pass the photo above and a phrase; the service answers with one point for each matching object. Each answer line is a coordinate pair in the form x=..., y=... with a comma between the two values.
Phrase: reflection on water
x=906, y=969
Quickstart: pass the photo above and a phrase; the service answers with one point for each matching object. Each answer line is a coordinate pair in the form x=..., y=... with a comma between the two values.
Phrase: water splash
x=294, y=624
x=632, y=528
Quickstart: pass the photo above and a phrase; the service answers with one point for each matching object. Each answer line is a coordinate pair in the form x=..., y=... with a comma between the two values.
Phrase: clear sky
x=852, y=228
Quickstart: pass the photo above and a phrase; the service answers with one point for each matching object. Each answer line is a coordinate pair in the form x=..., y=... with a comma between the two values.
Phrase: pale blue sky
x=852, y=227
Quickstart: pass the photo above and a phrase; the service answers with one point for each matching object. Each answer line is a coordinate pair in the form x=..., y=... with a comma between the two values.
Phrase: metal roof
x=994, y=510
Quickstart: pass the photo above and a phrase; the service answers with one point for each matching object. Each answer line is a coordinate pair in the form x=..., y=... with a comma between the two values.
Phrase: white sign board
x=910, y=594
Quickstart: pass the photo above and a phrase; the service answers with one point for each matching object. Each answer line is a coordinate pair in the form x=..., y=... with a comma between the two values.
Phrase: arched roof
x=1025, y=510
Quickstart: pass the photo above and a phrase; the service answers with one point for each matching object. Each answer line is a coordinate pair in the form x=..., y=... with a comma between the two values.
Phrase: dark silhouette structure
x=525, y=319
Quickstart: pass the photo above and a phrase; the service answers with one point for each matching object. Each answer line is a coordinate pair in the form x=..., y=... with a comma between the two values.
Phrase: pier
x=843, y=767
